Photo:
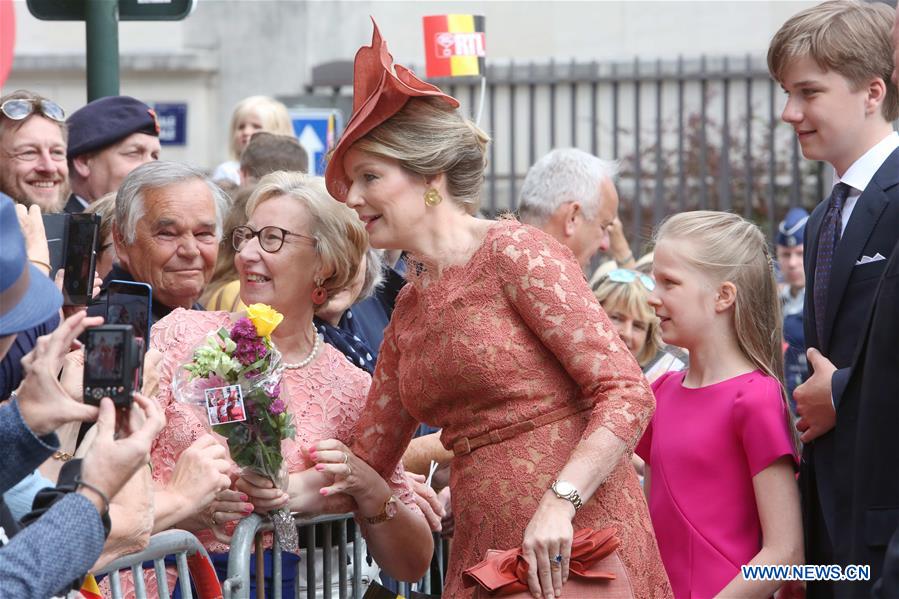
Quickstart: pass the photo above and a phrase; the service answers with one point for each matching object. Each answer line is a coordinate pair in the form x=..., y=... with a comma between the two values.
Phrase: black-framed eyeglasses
x=624, y=275
x=19, y=108
x=271, y=238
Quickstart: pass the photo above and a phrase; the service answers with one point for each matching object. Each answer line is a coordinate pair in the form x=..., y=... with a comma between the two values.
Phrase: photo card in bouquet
x=225, y=405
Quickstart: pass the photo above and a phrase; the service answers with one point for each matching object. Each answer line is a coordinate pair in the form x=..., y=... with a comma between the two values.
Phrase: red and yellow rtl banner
x=455, y=45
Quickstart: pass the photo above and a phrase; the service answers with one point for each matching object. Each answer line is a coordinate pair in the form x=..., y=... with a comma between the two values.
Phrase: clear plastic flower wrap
x=234, y=377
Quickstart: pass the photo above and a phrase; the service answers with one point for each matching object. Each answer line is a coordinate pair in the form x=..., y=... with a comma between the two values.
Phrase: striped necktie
x=828, y=239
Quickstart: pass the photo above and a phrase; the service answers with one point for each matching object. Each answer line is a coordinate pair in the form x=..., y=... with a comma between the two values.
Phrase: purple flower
x=277, y=407
x=274, y=391
x=249, y=350
x=244, y=329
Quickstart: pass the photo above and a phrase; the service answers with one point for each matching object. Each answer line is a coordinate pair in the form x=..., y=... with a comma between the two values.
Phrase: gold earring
x=432, y=197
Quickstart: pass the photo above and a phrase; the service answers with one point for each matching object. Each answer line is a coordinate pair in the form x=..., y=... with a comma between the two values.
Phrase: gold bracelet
x=62, y=456
x=41, y=263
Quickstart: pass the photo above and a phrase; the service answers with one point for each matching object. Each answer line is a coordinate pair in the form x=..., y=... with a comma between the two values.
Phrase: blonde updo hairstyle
x=428, y=138
x=272, y=113
x=632, y=298
x=341, y=239
x=727, y=247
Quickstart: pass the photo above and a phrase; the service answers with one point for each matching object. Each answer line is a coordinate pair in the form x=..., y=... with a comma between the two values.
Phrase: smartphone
x=111, y=364
x=131, y=303
x=80, y=258
x=55, y=228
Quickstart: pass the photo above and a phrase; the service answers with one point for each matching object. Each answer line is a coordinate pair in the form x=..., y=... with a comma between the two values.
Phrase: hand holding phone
x=112, y=358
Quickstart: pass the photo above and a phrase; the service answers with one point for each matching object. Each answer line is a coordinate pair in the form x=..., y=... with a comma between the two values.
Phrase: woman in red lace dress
x=294, y=250
x=497, y=339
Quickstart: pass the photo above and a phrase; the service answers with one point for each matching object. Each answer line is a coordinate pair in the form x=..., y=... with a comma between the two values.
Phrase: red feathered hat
x=380, y=90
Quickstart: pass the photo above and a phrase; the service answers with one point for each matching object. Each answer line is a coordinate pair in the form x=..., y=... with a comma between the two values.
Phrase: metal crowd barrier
x=179, y=543
x=249, y=534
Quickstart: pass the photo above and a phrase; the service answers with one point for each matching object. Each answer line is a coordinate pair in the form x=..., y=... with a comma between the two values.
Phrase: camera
x=112, y=364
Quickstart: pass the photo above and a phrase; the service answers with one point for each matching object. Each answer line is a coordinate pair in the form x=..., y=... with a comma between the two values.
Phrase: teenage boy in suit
x=834, y=62
x=868, y=505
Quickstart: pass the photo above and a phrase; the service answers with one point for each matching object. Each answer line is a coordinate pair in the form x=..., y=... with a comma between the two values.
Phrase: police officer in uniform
x=790, y=241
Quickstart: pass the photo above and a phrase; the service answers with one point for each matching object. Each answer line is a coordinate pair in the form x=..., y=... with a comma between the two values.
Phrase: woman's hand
x=548, y=535
x=261, y=492
x=426, y=500
x=352, y=476
x=227, y=507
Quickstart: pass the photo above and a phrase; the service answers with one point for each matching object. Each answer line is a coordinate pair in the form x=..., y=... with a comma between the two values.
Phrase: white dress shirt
x=862, y=171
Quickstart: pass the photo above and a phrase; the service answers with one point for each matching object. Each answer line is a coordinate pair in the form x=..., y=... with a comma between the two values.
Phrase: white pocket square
x=868, y=259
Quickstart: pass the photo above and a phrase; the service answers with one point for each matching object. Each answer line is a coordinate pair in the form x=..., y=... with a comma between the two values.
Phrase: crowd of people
x=721, y=401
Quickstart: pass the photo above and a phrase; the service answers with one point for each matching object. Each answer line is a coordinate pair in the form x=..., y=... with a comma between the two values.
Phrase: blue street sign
x=172, y=124
x=317, y=129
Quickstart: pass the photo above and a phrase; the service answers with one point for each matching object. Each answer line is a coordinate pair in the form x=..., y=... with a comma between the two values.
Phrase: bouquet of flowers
x=234, y=376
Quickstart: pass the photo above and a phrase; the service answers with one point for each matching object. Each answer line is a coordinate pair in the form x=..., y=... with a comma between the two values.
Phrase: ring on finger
x=556, y=562
x=349, y=470
x=214, y=519
x=346, y=457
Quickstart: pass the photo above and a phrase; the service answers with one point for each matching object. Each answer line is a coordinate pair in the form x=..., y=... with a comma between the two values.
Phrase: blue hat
x=791, y=231
x=27, y=296
x=103, y=122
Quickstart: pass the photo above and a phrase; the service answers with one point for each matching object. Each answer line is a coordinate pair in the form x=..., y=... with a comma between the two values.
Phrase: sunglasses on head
x=623, y=275
x=19, y=108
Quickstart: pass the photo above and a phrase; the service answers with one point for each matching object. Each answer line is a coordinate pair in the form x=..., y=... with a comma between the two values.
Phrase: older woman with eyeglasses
x=298, y=249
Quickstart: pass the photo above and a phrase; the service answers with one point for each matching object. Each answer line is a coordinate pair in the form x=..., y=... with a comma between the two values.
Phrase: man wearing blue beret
x=790, y=246
x=108, y=138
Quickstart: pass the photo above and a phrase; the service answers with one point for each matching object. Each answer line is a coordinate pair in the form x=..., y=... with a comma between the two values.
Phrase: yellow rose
x=265, y=318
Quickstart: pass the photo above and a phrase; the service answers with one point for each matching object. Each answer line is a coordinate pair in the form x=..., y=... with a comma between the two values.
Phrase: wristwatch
x=387, y=513
x=567, y=491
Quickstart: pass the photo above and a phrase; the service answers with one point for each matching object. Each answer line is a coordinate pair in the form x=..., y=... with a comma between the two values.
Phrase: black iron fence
x=690, y=134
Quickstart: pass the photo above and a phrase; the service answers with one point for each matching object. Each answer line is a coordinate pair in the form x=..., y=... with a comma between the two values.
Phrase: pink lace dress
x=513, y=335
x=326, y=398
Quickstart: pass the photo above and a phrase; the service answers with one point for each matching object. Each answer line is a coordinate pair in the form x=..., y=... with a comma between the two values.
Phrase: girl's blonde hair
x=341, y=239
x=273, y=114
x=428, y=138
x=729, y=248
x=632, y=298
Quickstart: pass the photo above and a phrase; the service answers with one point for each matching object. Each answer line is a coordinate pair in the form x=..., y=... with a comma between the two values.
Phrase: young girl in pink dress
x=720, y=456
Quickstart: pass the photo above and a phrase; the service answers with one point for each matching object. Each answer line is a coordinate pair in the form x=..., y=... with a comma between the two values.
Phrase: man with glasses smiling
x=33, y=169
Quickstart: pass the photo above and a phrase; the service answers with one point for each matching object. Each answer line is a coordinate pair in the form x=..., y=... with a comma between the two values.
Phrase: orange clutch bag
x=595, y=571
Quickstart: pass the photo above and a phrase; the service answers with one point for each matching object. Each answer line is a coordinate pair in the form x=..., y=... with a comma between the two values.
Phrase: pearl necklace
x=305, y=361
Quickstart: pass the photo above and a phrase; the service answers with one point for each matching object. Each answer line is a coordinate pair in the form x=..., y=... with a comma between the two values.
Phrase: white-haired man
x=168, y=225
x=571, y=195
